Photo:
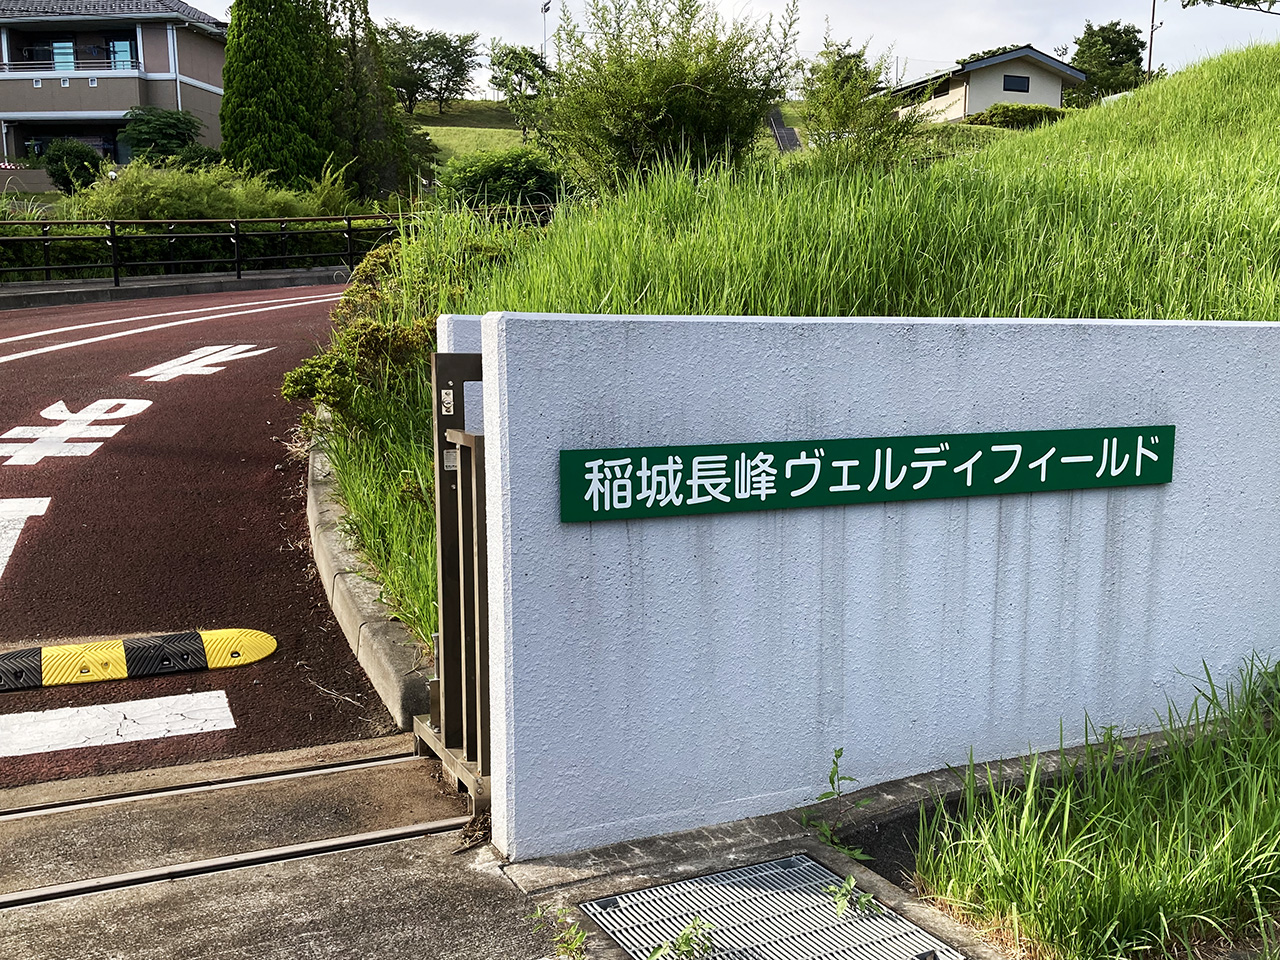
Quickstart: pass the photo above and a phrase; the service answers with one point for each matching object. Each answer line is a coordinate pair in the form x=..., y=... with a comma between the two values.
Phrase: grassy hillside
x=468, y=126
x=1160, y=205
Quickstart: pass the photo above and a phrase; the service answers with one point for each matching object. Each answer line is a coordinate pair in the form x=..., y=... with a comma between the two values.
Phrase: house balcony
x=85, y=65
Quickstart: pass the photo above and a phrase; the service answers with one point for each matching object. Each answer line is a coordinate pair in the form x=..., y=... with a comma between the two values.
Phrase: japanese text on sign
x=629, y=483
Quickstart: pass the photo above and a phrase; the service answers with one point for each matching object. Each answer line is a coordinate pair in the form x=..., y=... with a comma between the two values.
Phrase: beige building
x=1024, y=75
x=72, y=68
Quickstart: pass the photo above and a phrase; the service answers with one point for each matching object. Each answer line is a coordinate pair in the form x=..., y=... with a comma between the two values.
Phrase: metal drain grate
x=780, y=910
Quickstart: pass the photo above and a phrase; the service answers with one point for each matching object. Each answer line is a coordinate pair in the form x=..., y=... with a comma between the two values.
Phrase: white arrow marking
x=13, y=516
x=200, y=362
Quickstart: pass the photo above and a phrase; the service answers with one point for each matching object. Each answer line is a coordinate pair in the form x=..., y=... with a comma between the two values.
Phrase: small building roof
x=106, y=10
x=1071, y=77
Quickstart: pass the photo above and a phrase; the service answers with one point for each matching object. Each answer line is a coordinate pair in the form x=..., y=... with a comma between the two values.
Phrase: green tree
x=643, y=82
x=367, y=130
x=521, y=74
x=447, y=69
x=154, y=130
x=850, y=115
x=1110, y=56
x=406, y=56
x=277, y=88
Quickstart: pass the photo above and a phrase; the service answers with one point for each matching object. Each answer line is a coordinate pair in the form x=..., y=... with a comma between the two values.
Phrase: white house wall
x=948, y=107
x=986, y=86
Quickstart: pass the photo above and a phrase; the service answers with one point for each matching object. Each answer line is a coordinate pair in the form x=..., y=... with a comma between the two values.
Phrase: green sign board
x=636, y=482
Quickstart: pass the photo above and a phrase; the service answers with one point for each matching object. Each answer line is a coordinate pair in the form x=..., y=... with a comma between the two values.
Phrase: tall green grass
x=1162, y=205
x=375, y=379
x=1126, y=853
x=383, y=462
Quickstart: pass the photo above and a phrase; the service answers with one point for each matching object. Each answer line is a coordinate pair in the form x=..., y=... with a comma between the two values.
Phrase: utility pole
x=1151, y=37
x=546, y=8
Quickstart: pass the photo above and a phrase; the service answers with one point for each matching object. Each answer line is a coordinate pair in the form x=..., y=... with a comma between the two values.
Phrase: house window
x=1016, y=84
x=942, y=87
x=93, y=81
x=36, y=82
x=66, y=82
x=64, y=54
x=122, y=55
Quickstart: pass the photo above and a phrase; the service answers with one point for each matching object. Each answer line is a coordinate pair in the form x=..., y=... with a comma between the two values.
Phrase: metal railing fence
x=50, y=249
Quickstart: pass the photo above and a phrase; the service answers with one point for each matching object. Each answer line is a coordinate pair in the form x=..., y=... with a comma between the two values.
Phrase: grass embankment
x=1145, y=854
x=1160, y=205
x=467, y=127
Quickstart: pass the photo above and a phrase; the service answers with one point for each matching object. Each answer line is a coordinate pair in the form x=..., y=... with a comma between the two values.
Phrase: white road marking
x=56, y=441
x=199, y=362
x=13, y=517
x=153, y=327
x=309, y=298
x=66, y=728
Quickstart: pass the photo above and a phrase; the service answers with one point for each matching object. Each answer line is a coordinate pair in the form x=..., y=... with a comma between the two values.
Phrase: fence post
x=48, y=274
x=351, y=250
x=170, y=267
x=115, y=254
x=235, y=242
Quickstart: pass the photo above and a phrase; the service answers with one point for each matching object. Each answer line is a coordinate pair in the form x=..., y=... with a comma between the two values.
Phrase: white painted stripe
x=54, y=331
x=158, y=326
x=66, y=728
x=13, y=516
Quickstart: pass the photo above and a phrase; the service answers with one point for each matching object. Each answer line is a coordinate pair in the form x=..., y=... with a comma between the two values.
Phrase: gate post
x=458, y=702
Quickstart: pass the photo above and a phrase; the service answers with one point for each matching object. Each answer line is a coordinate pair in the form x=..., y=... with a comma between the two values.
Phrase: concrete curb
x=383, y=645
x=25, y=296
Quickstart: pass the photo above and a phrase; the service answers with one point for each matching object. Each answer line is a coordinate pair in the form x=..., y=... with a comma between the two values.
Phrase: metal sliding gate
x=457, y=729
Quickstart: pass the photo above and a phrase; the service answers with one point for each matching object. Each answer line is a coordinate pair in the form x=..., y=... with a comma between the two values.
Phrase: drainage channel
x=197, y=868
x=66, y=806
x=88, y=845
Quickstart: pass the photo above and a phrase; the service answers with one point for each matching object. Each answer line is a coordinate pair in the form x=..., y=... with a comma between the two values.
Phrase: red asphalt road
x=190, y=517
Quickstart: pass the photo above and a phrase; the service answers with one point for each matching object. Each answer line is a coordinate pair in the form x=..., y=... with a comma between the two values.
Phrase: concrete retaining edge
x=384, y=647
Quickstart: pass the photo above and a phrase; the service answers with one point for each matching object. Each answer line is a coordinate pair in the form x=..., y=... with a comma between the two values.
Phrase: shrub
x=850, y=116
x=71, y=165
x=648, y=82
x=1017, y=116
x=196, y=155
x=522, y=174
x=159, y=132
x=141, y=191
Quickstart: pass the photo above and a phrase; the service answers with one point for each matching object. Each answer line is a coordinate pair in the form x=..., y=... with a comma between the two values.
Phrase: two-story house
x=72, y=68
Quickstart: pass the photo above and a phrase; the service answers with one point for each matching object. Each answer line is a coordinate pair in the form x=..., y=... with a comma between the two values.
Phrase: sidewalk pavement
x=419, y=899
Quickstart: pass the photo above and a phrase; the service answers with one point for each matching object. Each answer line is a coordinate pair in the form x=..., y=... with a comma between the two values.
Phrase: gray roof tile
x=103, y=8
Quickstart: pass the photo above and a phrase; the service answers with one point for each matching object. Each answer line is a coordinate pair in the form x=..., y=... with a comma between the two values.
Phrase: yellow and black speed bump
x=131, y=658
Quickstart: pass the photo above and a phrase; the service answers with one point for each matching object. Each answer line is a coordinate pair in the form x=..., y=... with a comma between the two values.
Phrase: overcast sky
x=926, y=35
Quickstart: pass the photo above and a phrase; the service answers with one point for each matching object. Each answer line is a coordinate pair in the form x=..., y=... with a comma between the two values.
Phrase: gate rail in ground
x=129, y=247
x=457, y=729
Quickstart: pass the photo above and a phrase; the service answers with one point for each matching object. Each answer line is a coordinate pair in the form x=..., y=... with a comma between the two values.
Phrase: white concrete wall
x=460, y=333
x=986, y=86
x=650, y=676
